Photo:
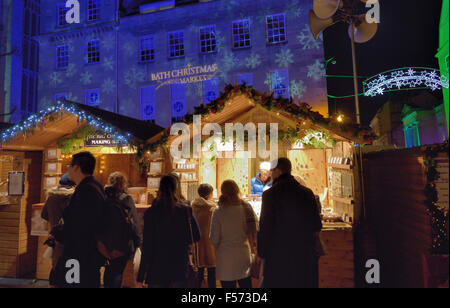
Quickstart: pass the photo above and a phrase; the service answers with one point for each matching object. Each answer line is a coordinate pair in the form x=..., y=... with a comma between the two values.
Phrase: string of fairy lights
x=405, y=78
x=39, y=118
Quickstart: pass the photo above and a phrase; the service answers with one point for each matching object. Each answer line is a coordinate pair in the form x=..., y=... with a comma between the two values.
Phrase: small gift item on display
x=156, y=168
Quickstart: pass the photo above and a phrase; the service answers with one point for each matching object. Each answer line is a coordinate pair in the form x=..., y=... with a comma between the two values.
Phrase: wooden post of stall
x=17, y=248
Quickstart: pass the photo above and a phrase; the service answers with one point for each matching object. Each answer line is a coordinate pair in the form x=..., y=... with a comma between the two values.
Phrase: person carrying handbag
x=167, y=236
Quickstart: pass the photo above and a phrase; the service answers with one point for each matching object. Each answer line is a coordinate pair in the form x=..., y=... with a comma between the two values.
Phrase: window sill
x=89, y=64
x=176, y=58
x=146, y=62
x=278, y=43
x=241, y=48
x=208, y=53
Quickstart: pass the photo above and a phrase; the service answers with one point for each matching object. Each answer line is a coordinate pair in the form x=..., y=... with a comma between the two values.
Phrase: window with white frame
x=244, y=78
x=176, y=44
x=279, y=83
x=62, y=11
x=93, y=51
x=210, y=90
x=208, y=41
x=148, y=103
x=276, y=28
x=178, y=100
x=93, y=10
x=241, y=33
x=146, y=49
x=62, y=56
x=92, y=98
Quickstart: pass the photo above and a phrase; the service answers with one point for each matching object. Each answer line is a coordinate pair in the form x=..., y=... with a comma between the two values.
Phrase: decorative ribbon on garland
x=439, y=217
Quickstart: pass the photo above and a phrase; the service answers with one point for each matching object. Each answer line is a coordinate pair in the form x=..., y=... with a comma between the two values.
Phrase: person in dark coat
x=117, y=189
x=82, y=218
x=289, y=219
x=167, y=236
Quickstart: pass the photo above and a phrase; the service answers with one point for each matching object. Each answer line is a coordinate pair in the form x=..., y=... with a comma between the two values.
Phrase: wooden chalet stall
x=407, y=209
x=322, y=153
x=42, y=147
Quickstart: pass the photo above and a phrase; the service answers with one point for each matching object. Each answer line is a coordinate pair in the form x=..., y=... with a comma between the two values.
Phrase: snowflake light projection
x=298, y=88
x=108, y=86
x=307, y=40
x=253, y=61
x=294, y=9
x=85, y=78
x=108, y=63
x=404, y=78
x=71, y=70
x=108, y=42
x=229, y=61
x=134, y=76
x=316, y=71
x=284, y=58
x=220, y=41
x=55, y=79
x=129, y=49
x=231, y=6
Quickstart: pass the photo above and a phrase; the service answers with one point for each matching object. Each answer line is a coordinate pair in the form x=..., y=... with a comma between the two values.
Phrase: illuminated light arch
x=405, y=79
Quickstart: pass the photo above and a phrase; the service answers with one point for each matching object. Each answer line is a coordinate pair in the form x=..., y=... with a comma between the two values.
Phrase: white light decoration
x=405, y=78
x=39, y=119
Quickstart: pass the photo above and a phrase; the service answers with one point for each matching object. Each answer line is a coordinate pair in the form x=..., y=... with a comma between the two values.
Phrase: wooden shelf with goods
x=345, y=200
x=52, y=154
x=185, y=170
x=189, y=181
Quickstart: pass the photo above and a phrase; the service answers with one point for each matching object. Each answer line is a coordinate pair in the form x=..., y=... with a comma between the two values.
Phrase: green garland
x=439, y=217
x=76, y=141
x=316, y=139
x=299, y=112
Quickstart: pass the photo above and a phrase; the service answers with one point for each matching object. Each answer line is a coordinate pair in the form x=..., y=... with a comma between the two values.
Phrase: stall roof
x=65, y=118
x=238, y=102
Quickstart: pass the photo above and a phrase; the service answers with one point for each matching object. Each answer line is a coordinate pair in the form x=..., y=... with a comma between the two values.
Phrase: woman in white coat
x=233, y=234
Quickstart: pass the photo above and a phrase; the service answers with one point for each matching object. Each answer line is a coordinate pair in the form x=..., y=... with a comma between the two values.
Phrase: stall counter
x=336, y=268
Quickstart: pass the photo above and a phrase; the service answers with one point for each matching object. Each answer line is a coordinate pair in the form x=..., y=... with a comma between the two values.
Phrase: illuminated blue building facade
x=162, y=61
x=19, y=22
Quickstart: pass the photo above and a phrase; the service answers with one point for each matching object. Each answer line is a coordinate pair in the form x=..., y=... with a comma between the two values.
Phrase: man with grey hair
x=289, y=219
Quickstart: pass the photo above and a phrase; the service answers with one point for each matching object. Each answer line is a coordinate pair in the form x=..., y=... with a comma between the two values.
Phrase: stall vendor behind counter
x=262, y=181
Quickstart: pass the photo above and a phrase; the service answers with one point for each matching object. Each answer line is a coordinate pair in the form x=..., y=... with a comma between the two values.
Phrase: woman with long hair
x=117, y=189
x=167, y=236
x=233, y=234
x=178, y=193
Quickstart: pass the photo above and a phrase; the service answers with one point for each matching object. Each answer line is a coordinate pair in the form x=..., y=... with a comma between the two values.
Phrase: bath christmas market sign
x=186, y=75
